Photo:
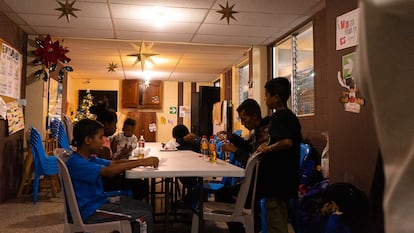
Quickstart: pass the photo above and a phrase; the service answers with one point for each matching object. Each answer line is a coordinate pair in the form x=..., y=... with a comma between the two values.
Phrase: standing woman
x=108, y=118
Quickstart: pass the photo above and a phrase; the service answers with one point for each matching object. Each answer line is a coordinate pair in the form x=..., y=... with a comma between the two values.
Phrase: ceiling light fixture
x=144, y=54
x=67, y=9
x=227, y=12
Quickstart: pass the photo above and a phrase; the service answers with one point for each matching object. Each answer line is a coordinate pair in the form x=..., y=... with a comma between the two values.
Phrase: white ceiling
x=194, y=45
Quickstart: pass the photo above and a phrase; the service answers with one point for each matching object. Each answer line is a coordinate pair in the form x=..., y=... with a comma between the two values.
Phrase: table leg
x=167, y=203
x=200, y=206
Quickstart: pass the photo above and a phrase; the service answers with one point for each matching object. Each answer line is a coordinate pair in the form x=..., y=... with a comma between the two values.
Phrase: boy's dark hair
x=85, y=128
x=103, y=113
x=129, y=121
x=280, y=87
x=250, y=107
x=179, y=131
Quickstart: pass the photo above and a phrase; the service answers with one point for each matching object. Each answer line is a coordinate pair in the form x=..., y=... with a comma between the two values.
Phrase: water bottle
x=141, y=147
x=212, y=149
x=204, y=147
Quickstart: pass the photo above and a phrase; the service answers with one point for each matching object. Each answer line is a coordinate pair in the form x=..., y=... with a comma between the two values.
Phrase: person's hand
x=191, y=137
x=263, y=148
x=229, y=147
x=126, y=150
x=224, y=135
x=150, y=161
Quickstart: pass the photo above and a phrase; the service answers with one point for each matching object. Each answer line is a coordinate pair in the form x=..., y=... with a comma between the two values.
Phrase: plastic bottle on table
x=212, y=149
x=141, y=147
x=204, y=147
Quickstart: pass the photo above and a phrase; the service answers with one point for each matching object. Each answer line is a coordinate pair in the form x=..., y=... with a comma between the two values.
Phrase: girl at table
x=87, y=171
x=108, y=118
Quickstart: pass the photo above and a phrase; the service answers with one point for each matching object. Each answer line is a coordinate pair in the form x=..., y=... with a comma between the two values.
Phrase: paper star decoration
x=227, y=12
x=144, y=54
x=111, y=67
x=67, y=9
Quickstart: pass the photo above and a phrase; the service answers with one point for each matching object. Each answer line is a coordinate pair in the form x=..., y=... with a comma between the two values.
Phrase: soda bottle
x=211, y=145
x=204, y=147
x=141, y=147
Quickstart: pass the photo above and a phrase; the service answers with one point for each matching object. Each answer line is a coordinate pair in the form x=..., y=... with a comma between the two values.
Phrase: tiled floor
x=21, y=216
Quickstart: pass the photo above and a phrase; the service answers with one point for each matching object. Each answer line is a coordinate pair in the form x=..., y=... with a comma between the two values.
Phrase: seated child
x=87, y=171
x=124, y=142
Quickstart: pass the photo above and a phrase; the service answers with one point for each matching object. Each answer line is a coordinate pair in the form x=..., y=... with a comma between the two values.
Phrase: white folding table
x=183, y=163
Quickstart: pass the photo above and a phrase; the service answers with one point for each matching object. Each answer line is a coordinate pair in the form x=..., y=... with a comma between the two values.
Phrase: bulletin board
x=10, y=72
x=10, y=83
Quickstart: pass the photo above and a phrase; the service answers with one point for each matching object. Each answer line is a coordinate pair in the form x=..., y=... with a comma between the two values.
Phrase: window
x=293, y=59
x=244, y=82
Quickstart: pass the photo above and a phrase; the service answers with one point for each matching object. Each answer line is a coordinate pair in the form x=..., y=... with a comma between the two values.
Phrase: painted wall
x=170, y=100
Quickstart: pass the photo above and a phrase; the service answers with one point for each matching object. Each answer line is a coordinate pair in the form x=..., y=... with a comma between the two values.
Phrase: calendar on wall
x=10, y=71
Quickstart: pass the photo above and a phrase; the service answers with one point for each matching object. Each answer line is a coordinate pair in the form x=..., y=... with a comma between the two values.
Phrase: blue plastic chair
x=43, y=164
x=60, y=134
x=304, y=152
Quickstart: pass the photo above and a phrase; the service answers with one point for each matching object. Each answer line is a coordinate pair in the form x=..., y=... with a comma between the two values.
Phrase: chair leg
x=249, y=224
x=27, y=174
x=194, y=224
x=35, y=187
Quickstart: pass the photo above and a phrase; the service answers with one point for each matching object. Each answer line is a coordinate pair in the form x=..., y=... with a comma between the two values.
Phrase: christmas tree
x=83, y=109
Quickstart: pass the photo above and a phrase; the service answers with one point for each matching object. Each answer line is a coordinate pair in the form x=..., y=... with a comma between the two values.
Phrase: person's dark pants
x=139, y=187
x=139, y=213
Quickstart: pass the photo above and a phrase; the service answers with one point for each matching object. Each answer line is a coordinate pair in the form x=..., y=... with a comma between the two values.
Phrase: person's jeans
x=139, y=212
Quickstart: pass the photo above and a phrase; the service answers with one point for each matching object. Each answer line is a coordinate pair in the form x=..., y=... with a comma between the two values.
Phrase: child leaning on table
x=87, y=170
x=124, y=142
x=278, y=177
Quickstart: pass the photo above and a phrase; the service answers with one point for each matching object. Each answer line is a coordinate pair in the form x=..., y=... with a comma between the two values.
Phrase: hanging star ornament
x=111, y=68
x=227, y=12
x=144, y=54
x=67, y=9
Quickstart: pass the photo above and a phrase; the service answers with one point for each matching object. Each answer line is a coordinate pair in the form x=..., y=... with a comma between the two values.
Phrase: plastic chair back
x=74, y=222
x=43, y=164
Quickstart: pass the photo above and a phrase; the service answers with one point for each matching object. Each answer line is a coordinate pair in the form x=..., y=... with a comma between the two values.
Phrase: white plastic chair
x=233, y=212
x=74, y=222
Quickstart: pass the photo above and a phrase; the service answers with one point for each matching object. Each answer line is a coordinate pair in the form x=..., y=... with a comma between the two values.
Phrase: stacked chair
x=43, y=165
x=59, y=132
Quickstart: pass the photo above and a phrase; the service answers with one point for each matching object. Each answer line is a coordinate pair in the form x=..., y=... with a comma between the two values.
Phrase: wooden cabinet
x=144, y=120
x=137, y=94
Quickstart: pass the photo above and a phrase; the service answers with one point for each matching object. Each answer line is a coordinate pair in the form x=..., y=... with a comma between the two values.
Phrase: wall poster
x=347, y=30
x=10, y=71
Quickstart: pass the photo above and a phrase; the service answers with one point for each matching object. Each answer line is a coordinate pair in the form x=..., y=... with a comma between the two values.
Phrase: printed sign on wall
x=347, y=29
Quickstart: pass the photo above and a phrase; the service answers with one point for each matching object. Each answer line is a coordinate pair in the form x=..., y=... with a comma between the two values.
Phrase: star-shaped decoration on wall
x=144, y=54
x=227, y=12
x=67, y=9
x=111, y=67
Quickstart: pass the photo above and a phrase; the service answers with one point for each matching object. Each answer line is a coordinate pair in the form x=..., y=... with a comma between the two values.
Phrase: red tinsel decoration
x=48, y=54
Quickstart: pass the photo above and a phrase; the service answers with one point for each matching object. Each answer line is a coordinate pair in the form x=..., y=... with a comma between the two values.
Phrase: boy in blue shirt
x=87, y=170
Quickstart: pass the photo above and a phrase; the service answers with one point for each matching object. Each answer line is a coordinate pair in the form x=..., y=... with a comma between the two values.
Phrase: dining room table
x=181, y=163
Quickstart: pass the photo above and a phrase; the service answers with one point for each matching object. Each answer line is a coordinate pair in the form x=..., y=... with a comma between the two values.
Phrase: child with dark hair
x=108, y=117
x=185, y=139
x=278, y=177
x=87, y=171
x=124, y=142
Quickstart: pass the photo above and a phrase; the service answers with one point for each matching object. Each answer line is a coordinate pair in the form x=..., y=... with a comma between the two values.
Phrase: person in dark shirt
x=278, y=176
x=250, y=116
